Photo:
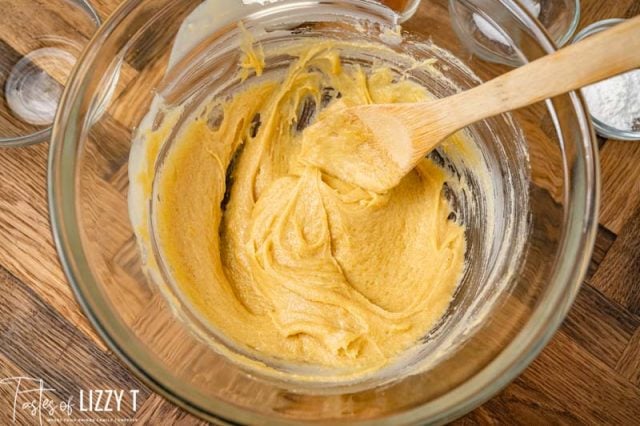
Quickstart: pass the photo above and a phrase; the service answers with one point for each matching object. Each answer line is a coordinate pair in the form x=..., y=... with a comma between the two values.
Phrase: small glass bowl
x=36, y=61
x=483, y=36
x=559, y=17
x=601, y=128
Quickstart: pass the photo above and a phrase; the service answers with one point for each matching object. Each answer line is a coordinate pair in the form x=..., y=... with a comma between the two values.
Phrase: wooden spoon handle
x=595, y=58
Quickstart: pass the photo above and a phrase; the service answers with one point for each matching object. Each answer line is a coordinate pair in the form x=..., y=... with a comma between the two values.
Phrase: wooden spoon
x=398, y=136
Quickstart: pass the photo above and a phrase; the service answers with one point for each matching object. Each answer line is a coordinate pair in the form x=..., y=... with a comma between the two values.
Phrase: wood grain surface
x=588, y=374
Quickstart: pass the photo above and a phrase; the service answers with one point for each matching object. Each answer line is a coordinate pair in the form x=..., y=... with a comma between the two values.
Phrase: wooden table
x=589, y=373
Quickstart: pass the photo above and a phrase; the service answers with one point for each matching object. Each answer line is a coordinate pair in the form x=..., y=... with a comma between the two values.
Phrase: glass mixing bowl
x=530, y=228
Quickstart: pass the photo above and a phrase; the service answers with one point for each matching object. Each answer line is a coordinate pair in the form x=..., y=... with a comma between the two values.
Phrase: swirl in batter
x=287, y=260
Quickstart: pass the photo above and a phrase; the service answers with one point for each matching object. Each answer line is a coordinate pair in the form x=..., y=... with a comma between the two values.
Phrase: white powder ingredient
x=488, y=29
x=616, y=101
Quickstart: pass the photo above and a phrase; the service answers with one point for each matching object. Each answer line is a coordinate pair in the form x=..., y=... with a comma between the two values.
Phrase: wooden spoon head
x=360, y=146
x=372, y=146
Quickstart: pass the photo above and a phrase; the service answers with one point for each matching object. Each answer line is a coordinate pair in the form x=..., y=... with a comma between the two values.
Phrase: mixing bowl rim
x=577, y=246
x=573, y=26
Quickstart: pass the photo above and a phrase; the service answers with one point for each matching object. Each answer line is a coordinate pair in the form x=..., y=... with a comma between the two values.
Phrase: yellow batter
x=291, y=262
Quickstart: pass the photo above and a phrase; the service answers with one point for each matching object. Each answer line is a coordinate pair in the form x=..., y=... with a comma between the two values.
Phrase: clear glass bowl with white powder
x=614, y=103
x=483, y=36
